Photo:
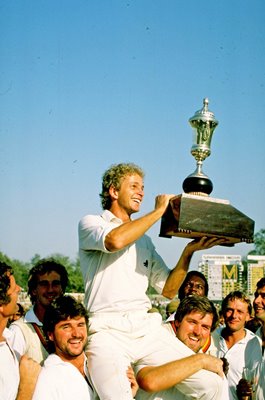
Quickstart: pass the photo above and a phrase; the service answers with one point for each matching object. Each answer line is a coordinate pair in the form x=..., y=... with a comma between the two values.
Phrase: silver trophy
x=204, y=123
x=194, y=213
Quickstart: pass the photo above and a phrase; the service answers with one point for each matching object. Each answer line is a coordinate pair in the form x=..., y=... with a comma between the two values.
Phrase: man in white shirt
x=16, y=382
x=238, y=345
x=259, y=308
x=65, y=375
x=47, y=280
x=195, y=283
x=118, y=262
x=195, y=318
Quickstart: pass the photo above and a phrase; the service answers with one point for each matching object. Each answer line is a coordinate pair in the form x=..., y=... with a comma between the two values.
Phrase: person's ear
x=177, y=323
x=51, y=336
x=113, y=192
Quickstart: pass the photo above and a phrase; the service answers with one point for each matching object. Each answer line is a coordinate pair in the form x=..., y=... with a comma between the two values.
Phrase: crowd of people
x=110, y=346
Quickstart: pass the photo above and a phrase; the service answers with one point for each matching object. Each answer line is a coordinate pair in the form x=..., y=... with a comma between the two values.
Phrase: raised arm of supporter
x=177, y=274
x=131, y=230
x=162, y=377
x=29, y=371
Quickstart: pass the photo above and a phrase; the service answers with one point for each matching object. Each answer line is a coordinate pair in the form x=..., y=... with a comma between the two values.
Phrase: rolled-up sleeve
x=92, y=231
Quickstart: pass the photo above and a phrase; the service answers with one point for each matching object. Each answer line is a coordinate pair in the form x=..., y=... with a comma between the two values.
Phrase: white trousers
x=119, y=340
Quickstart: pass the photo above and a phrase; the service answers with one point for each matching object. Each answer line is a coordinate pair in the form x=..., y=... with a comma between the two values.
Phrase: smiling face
x=127, y=200
x=195, y=285
x=48, y=288
x=236, y=315
x=259, y=304
x=70, y=337
x=194, y=330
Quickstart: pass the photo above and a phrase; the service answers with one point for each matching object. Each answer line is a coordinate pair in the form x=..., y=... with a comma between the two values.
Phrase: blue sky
x=85, y=84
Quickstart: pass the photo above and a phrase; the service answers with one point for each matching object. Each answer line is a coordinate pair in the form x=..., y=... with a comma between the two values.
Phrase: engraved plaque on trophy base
x=193, y=216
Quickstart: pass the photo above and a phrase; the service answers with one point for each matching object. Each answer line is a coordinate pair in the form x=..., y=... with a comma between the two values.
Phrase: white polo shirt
x=204, y=385
x=9, y=369
x=245, y=353
x=60, y=380
x=117, y=281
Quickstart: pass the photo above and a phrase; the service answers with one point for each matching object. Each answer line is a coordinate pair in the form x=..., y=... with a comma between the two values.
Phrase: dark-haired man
x=16, y=382
x=259, y=308
x=47, y=280
x=65, y=375
x=195, y=283
x=118, y=262
x=195, y=318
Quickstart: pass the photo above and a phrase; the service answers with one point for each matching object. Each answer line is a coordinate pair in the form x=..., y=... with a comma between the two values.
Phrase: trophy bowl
x=203, y=123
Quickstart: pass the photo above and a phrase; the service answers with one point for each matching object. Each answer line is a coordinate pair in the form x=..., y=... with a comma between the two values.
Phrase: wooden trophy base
x=194, y=216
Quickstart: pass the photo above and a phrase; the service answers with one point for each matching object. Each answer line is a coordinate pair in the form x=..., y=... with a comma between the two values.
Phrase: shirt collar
x=108, y=216
x=32, y=317
x=245, y=339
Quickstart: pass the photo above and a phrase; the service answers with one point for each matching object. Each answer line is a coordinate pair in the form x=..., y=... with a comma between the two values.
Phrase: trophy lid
x=204, y=114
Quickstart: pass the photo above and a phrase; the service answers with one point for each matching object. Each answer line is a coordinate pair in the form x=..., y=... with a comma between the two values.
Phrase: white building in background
x=223, y=273
x=256, y=271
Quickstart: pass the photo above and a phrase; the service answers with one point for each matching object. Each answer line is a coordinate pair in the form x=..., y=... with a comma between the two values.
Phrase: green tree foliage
x=21, y=269
x=76, y=284
x=259, y=243
x=151, y=291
